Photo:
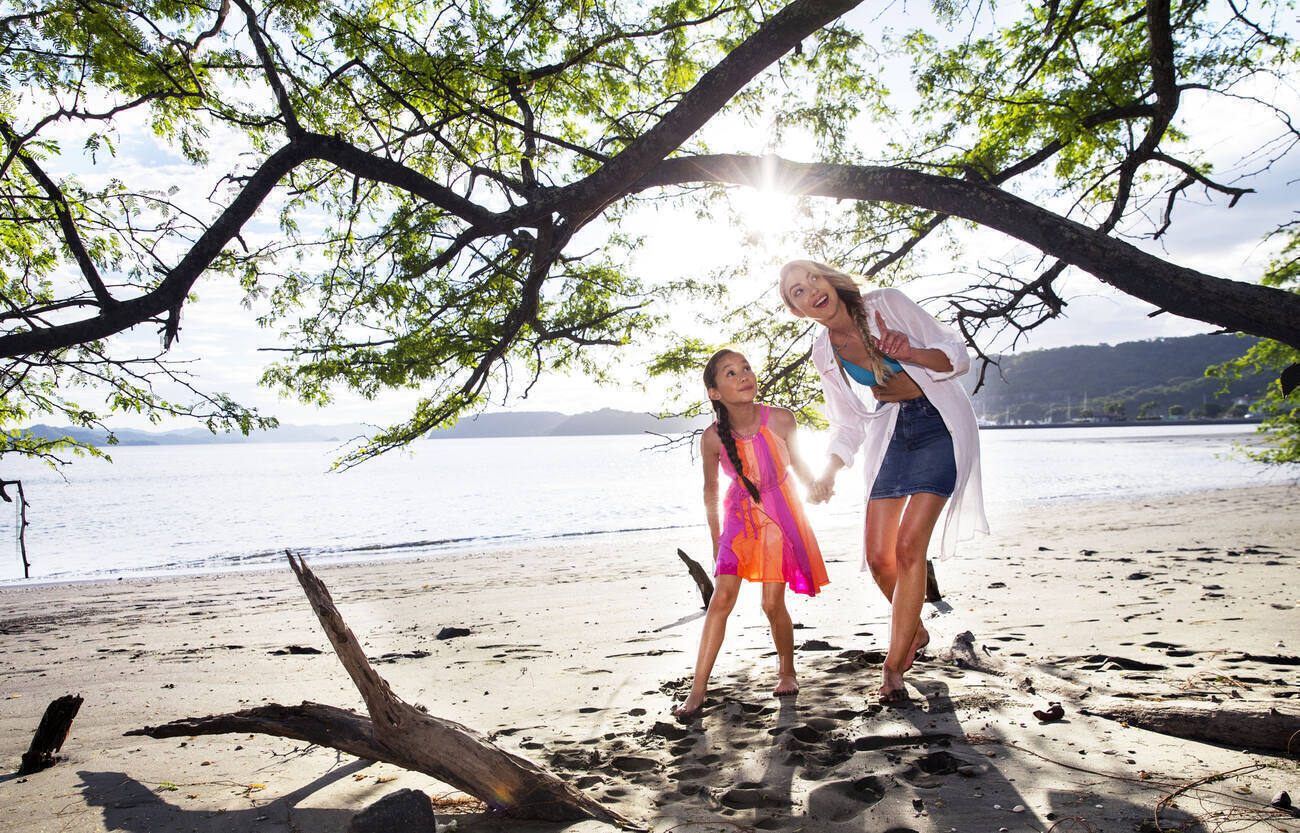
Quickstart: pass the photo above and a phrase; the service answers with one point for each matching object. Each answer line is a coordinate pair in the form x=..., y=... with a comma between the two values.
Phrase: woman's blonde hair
x=848, y=291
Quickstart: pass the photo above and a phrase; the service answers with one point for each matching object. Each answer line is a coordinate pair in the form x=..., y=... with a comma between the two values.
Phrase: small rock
x=817, y=645
x=1281, y=801
x=452, y=633
x=406, y=810
x=968, y=771
x=1019, y=808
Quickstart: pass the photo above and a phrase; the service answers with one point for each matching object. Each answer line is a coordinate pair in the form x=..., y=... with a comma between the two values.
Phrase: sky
x=221, y=341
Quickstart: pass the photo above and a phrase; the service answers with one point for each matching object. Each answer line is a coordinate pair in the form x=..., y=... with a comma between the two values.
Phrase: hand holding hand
x=893, y=343
x=821, y=490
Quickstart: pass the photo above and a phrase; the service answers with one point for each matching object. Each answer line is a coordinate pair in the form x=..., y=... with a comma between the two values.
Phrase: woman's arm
x=710, y=448
x=917, y=337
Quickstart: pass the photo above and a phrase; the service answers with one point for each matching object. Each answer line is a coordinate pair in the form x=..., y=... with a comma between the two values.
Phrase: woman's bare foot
x=786, y=684
x=919, y=642
x=690, y=709
x=892, y=689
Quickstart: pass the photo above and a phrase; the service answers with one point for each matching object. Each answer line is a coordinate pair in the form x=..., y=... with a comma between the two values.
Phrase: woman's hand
x=893, y=343
x=821, y=489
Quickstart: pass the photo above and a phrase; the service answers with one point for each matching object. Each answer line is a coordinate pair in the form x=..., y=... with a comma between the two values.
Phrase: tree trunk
x=1260, y=724
x=51, y=732
x=702, y=579
x=398, y=733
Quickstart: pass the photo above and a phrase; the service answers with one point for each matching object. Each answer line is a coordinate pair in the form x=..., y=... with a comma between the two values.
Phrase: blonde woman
x=916, y=432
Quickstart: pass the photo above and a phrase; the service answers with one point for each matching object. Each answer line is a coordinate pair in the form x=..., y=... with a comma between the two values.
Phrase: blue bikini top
x=862, y=375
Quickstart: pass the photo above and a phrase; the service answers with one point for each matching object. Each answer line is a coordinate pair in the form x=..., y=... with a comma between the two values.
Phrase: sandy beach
x=577, y=651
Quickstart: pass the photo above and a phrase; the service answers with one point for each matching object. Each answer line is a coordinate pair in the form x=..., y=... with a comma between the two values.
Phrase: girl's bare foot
x=690, y=709
x=892, y=689
x=919, y=642
x=786, y=684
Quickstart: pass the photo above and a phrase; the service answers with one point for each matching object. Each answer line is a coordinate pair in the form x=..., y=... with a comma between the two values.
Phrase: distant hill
x=518, y=424
x=1137, y=379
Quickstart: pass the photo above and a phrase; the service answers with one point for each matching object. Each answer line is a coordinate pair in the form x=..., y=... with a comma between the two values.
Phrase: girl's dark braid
x=729, y=443
x=858, y=313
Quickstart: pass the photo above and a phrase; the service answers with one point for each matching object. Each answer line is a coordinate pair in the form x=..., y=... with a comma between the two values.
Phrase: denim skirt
x=919, y=457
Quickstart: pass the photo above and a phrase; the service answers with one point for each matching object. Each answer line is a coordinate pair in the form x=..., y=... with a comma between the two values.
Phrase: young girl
x=763, y=535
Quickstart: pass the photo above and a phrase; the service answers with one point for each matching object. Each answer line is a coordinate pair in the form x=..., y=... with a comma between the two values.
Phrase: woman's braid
x=858, y=313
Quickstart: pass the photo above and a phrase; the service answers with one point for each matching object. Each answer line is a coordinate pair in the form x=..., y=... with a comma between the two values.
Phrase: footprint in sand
x=752, y=796
x=928, y=770
x=842, y=800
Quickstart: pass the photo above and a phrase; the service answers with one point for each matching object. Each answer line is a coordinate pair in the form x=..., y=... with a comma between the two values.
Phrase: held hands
x=821, y=490
x=893, y=343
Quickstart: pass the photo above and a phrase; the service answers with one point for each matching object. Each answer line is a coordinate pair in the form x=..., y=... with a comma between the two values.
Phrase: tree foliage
x=430, y=196
x=1281, y=411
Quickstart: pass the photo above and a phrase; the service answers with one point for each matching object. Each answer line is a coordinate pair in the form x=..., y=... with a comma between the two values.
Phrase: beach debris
x=51, y=732
x=399, y=733
x=451, y=632
x=1282, y=801
x=295, y=649
x=403, y=811
x=1051, y=714
x=1266, y=725
x=932, y=593
x=701, y=578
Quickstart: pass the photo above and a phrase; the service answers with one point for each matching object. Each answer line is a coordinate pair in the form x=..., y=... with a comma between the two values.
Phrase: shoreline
x=577, y=650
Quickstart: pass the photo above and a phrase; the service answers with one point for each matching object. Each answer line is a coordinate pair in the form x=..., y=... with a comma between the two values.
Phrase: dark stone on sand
x=1087, y=553
x=452, y=633
x=818, y=645
x=1137, y=576
x=404, y=811
x=296, y=649
x=997, y=585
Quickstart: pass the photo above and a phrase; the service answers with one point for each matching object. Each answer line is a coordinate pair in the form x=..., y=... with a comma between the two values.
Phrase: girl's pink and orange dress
x=767, y=541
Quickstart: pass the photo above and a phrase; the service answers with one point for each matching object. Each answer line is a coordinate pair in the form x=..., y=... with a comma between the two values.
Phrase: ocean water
x=170, y=509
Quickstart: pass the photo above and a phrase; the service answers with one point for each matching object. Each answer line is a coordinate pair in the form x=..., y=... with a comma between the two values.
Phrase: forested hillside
x=1135, y=380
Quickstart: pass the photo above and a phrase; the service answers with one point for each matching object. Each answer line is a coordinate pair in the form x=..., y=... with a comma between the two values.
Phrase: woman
x=917, y=433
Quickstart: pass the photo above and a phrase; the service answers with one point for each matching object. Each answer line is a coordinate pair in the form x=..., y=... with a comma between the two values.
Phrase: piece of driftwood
x=1241, y=724
x=932, y=593
x=51, y=732
x=401, y=734
x=1256, y=724
x=702, y=579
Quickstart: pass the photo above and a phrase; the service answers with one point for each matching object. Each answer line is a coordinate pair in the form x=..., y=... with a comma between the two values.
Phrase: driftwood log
x=398, y=733
x=1265, y=725
x=51, y=732
x=932, y=593
x=701, y=577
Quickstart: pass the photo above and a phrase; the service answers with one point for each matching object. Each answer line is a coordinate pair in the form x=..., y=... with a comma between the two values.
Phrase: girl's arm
x=710, y=448
x=784, y=423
